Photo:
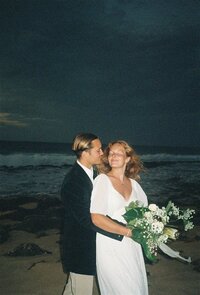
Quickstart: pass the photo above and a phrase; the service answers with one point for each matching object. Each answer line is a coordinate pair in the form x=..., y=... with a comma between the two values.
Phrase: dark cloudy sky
x=124, y=69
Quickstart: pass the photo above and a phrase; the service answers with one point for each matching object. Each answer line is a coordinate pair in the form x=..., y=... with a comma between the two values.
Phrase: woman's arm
x=109, y=225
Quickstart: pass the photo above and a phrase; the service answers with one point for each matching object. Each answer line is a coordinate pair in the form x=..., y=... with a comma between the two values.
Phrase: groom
x=79, y=237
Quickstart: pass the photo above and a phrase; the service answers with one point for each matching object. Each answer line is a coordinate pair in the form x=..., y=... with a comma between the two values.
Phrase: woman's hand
x=129, y=233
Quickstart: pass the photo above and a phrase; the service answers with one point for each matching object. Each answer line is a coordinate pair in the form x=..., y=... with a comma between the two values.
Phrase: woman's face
x=117, y=157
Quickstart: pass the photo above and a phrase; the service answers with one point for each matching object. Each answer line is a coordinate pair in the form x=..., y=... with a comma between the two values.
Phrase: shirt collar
x=88, y=171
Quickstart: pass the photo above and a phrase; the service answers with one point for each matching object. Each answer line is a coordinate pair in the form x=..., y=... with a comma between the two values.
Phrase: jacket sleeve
x=76, y=203
x=74, y=197
x=108, y=234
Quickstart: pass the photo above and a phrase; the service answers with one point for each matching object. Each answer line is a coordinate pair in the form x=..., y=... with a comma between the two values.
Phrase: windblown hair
x=82, y=142
x=133, y=167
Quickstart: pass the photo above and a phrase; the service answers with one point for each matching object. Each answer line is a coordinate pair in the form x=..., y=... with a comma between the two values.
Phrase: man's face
x=93, y=155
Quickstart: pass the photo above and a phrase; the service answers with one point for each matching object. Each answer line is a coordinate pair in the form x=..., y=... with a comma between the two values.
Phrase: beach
x=31, y=222
x=30, y=216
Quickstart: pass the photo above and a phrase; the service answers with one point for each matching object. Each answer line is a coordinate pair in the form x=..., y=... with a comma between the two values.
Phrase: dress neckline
x=125, y=199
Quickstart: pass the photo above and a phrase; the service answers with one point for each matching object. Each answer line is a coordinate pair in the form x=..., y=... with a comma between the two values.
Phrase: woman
x=120, y=265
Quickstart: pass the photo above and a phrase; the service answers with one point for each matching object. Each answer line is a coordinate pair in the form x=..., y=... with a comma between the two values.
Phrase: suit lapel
x=83, y=175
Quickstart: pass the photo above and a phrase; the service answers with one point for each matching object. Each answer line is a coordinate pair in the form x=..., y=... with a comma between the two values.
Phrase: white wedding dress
x=120, y=264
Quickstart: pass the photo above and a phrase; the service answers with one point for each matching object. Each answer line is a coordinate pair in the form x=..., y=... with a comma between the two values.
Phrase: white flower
x=172, y=233
x=157, y=227
x=154, y=225
x=148, y=216
x=175, y=210
x=153, y=207
x=189, y=225
x=162, y=239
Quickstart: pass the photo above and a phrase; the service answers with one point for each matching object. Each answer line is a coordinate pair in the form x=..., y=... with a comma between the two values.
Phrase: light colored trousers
x=79, y=285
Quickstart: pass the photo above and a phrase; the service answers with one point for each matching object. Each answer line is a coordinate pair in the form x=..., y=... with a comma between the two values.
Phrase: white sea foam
x=163, y=157
x=35, y=159
x=168, y=176
x=17, y=160
x=32, y=169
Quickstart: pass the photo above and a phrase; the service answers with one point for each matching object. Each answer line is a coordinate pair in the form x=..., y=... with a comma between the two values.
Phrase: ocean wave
x=35, y=159
x=164, y=157
x=20, y=160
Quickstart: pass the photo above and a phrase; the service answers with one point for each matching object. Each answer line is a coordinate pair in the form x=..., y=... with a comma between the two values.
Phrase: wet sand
x=43, y=275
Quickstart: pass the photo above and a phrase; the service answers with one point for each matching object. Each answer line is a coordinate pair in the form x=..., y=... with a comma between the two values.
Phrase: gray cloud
x=90, y=65
x=7, y=119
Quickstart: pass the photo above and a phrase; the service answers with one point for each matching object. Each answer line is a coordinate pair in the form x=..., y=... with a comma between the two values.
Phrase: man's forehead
x=96, y=143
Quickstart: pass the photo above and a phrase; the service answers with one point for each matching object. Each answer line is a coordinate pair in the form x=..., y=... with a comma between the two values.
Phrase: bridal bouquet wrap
x=152, y=227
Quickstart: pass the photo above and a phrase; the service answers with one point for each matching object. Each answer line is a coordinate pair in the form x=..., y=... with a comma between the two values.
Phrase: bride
x=120, y=264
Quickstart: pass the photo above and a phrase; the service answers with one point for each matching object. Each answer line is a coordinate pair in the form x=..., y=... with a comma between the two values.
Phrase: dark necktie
x=95, y=172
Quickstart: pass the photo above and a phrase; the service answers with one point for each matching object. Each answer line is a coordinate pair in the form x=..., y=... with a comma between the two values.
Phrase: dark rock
x=46, y=203
x=196, y=264
x=4, y=233
x=47, y=214
x=184, y=236
x=197, y=237
x=19, y=214
x=55, y=212
x=38, y=223
x=197, y=268
x=41, y=234
x=28, y=249
x=13, y=202
x=196, y=218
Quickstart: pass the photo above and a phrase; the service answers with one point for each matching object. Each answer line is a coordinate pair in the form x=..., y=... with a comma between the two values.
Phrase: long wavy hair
x=133, y=167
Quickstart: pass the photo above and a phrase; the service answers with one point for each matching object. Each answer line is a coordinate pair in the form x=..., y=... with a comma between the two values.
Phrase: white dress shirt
x=88, y=171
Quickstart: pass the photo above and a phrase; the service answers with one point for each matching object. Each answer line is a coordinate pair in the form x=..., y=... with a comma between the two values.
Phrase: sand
x=43, y=275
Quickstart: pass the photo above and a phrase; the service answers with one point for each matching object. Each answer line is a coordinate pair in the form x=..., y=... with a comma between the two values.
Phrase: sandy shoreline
x=43, y=275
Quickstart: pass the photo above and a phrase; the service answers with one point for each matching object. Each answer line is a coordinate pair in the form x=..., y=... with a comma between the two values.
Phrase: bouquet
x=152, y=226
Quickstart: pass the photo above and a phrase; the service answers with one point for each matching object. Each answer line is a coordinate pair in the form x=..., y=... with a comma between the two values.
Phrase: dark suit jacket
x=78, y=249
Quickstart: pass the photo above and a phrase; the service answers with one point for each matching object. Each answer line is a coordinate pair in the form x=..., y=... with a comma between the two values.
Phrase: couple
x=97, y=206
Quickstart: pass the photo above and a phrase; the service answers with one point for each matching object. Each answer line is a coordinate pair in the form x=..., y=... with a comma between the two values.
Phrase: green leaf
x=134, y=213
x=168, y=206
x=138, y=237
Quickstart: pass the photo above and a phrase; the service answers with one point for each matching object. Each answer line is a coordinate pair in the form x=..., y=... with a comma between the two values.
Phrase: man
x=79, y=237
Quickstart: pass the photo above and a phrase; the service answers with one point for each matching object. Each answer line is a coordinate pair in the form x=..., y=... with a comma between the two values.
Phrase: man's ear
x=85, y=153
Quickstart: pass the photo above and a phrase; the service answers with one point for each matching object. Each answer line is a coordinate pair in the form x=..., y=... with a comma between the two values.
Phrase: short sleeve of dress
x=140, y=194
x=99, y=198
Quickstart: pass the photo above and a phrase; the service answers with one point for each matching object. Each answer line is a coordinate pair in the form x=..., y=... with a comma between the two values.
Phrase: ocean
x=32, y=169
